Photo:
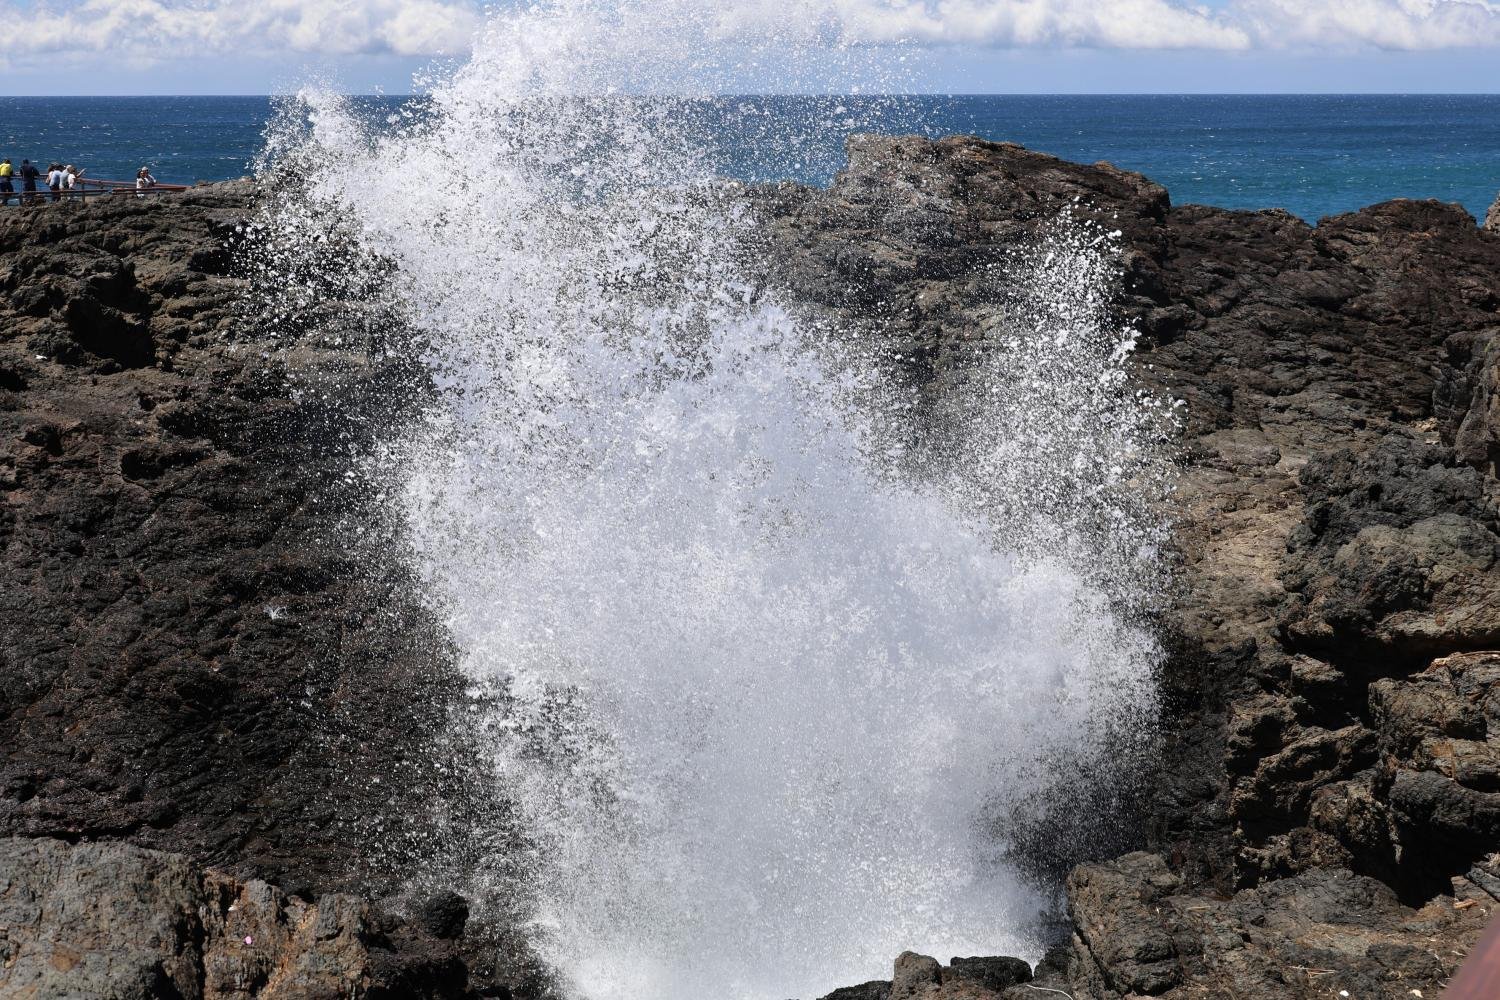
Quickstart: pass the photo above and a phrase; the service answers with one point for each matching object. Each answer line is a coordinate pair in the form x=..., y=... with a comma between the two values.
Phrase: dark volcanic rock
x=212, y=646
x=992, y=972
x=921, y=977
x=209, y=645
x=876, y=989
x=200, y=653
x=1337, y=529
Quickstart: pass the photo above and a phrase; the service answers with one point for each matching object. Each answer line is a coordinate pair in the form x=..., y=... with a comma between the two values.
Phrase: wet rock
x=444, y=915
x=198, y=657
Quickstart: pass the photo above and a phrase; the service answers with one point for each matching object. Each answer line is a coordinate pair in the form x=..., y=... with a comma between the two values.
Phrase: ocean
x=1314, y=155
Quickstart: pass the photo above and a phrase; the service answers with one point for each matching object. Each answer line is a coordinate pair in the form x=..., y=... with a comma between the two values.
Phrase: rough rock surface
x=115, y=922
x=921, y=977
x=1326, y=797
x=1492, y=217
x=206, y=646
x=208, y=649
x=1314, y=934
x=193, y=654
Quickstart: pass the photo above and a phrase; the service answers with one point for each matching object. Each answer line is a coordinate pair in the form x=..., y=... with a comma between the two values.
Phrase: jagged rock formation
x=1492, y=217
x=210, y=650
x=111, y=921
x=921, y=977
x=206, y=648
x=1328, y=762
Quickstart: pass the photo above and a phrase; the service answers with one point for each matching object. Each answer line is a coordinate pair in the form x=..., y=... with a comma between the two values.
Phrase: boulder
x=921, y=976
x=915, y=976
x=996, y=973
x=116, y=922
x=97, y=920
x=1314, y=934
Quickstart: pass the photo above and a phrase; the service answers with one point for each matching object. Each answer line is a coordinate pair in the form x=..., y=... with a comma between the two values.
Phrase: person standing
x=55, y=178
x=143, y=179
x=29, y=174
x=6, y=187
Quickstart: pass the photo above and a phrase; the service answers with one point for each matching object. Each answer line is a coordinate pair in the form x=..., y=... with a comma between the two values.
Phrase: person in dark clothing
x=29, y=174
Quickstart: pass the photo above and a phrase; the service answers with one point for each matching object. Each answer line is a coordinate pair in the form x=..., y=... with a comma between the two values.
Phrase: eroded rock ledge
x=198, y=662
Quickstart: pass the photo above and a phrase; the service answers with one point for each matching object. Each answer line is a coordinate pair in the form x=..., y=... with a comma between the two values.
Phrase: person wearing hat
x=143, y=179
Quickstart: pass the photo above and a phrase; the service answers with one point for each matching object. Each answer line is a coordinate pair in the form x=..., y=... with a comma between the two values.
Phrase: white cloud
x=172, y=28
x=161, y=29
x=1385, y=24
x=1132, y=24
x=1171, y=24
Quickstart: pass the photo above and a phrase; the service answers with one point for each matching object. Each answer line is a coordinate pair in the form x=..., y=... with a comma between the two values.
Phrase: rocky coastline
x=226, y=727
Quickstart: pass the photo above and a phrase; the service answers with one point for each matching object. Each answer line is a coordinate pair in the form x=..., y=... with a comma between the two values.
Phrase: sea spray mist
x=766, y=680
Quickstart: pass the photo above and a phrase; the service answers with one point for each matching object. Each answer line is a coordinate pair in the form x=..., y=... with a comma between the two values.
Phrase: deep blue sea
x=1313, y=155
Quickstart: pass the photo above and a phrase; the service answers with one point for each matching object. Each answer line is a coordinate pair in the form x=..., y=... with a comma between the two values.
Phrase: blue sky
x=971, y=46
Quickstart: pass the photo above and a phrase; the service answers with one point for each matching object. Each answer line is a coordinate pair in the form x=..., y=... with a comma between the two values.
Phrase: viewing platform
x=83, y=189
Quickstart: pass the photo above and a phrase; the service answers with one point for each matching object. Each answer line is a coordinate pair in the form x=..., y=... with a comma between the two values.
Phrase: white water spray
x=768, y=689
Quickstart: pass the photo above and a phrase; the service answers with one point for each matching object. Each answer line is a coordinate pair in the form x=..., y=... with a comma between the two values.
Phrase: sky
x=94, y=47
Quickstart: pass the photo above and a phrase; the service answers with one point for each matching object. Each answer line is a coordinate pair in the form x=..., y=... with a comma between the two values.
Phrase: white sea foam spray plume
x=763, y=694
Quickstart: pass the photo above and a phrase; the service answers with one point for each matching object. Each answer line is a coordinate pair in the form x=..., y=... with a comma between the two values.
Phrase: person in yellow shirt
x=6, y=188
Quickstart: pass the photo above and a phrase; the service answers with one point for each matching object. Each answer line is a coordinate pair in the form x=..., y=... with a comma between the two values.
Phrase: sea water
x=1313, y=155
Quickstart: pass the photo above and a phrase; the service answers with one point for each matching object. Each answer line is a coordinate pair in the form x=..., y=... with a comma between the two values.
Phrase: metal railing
x=83, y=189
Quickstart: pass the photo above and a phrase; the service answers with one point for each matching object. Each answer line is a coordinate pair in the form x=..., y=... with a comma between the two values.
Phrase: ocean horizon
x=1312, y=154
